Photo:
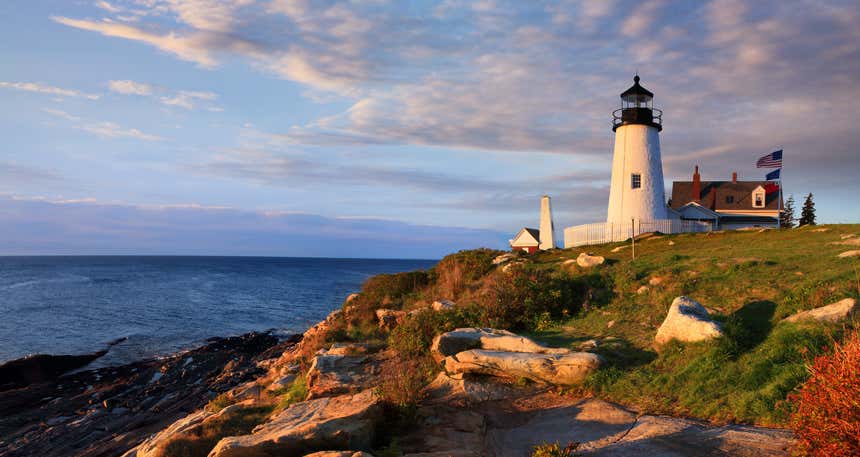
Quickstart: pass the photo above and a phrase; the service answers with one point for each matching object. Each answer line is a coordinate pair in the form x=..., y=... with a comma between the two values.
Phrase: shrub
x=827, y=419
x=555, y=450
x=533, y=299
x=454, y=272
x=415, y=334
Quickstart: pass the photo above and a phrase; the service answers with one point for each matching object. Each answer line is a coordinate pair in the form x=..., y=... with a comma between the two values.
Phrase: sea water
x=160, y=305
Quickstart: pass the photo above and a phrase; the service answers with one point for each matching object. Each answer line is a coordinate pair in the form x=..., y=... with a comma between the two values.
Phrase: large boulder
x=834, y=312
x=558, y=369
x=687, y=321
x=334, y=374
x=463, y=339
x=344, y=422
x=587, y=260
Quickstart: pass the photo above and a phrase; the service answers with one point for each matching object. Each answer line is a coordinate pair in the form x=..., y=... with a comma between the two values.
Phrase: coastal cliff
x=693, y=348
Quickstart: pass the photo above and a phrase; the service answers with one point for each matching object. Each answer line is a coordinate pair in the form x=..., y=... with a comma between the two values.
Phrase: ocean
x=160, y=305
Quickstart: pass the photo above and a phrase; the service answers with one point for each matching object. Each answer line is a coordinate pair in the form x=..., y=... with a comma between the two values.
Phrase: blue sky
x=440, y=122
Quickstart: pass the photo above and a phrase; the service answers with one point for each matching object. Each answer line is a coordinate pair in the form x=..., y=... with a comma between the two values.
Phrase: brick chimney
x=734, y=177
x=697, y=191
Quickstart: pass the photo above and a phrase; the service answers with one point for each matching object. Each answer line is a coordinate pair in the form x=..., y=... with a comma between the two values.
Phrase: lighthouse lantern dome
x=637, y=107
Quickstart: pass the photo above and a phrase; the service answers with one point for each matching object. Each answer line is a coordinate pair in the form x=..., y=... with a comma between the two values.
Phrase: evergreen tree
x=807, y=214
x=786, y=219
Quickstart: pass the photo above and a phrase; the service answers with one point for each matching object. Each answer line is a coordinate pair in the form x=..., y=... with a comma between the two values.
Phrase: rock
x=389, y=318
x=587, y=260
x=282, y=382
x=589, y=345
x=822, y=229
x=335, y=374
x=506, y=268
x=687, y=321
x=348, y=349
x=350, y=298
x=440, y=305
x=671, y=243
x=655, y=281
x=641, y=290
x=446, y=389
x=503, y=258
x=152, y=446
x=249, y=391
x=557, y=369
x=339, y=454
x=606, y=429
x=463, y=339
x=344, y=422
x=569, y=261
x=610, y=324
x=620, y=248
x=846, y=254
x=846, y=236
x=850, y=241
x=834, y=312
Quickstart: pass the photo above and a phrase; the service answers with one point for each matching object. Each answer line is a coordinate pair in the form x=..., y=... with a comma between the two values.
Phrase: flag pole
x=779, y=204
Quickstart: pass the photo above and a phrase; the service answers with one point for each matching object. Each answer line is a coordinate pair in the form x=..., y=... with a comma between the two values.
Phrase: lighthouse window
x=635, y=181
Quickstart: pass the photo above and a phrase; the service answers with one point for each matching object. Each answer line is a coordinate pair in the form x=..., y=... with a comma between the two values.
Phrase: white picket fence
x=607, y=232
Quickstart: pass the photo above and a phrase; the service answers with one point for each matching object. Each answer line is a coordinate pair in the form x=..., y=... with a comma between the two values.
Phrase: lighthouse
x=636, y=191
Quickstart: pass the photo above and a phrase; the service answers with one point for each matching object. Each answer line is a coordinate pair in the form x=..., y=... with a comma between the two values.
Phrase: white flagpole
x=779, y=183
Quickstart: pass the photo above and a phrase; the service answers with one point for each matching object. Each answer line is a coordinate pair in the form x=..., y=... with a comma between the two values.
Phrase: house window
x=758, y=199
x=730, y=199
x=635, y=181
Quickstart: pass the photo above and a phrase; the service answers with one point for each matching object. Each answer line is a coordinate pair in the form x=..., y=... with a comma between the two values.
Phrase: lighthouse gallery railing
x=608, y=232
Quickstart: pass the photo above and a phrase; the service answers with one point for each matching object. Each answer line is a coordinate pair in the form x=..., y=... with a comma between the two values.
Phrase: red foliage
x=827, y=419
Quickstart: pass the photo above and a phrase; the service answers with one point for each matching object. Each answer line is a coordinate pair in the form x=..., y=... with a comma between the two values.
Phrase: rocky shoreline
x=477, y=405
x=106, y=411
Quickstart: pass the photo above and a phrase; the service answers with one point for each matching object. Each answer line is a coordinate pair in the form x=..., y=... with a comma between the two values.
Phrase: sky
x=381, y=128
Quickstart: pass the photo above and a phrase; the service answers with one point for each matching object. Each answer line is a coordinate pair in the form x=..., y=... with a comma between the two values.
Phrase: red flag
x=770, y=188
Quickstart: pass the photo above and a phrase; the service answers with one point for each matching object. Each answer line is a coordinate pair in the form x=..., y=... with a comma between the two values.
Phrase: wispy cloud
x=46, y=89
x=186, y=99
x=107, y=129
x=128, y=87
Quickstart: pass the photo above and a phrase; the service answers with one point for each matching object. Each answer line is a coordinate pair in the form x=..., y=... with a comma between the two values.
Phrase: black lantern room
x=637, y=107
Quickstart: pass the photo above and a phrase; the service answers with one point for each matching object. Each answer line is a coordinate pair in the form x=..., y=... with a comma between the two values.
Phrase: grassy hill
x=748, y=280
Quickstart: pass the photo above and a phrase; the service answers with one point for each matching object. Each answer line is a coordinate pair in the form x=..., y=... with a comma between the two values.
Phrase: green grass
x=296, y=392
x=749, y=281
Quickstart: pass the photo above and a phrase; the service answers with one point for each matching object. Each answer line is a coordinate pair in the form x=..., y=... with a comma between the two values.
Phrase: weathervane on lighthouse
x=636, y=191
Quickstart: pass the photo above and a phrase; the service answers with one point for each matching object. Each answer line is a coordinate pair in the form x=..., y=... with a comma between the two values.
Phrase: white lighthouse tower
x=636, y=192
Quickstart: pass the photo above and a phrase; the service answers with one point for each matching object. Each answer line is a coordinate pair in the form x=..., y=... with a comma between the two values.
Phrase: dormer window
x=635, y=181
x=758, y=197
x=730, y=199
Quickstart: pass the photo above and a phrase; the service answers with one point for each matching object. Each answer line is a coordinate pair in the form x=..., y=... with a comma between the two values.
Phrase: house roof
x=714, y=193
x=534, y=233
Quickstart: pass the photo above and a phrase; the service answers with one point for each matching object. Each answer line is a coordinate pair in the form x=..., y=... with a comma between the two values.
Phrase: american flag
x=772, y=160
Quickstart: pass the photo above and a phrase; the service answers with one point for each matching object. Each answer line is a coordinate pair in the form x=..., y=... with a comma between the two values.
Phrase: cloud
x=49, y=226
x=191, y=48
x=107, y=129
x=127, y=87
x=45, y=89
x=187, y=99
x=61, y=114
